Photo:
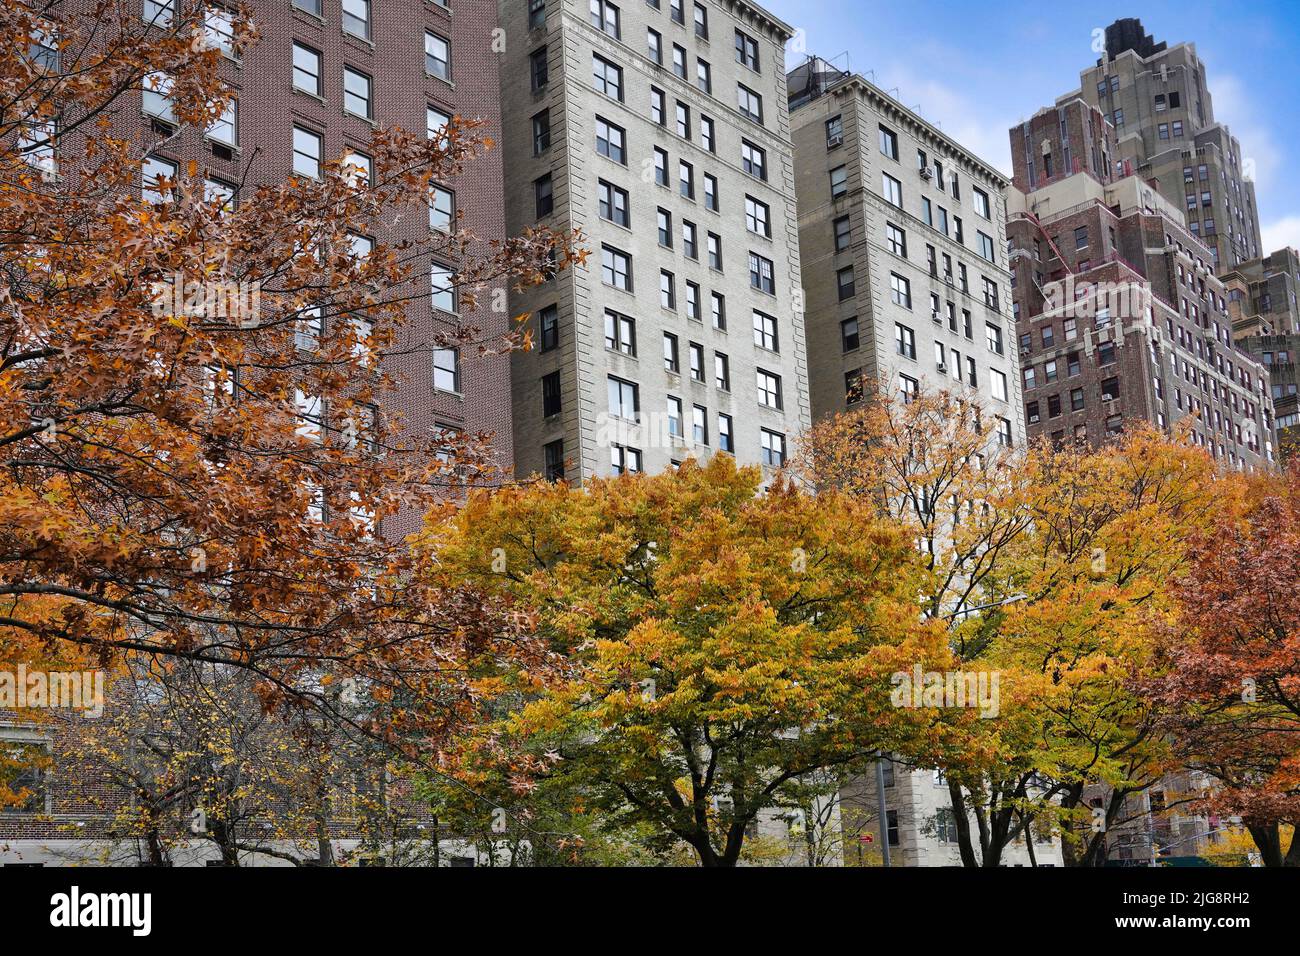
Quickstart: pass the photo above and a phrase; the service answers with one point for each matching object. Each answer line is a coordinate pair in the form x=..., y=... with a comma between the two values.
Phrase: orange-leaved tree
x=194, y=462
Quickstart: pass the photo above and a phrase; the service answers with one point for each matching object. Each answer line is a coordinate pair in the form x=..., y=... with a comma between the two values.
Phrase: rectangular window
x=900, y=290
x=539, y=69
x=772, y=448
x=614, y=203
x=620, y=332
x=624, y=460
x=611, y=140
x=356, y=92
x=672, y=360
x=721, y=371
x=554, y=452
x=541, y=132
x=726, y=441
x=446, y=370
x=356, y=18
x=753, y=159
x=605, y=18
x=306, y=152
x=891, y=189
x=757, y=217
x=747, y=50
x=700, y=425
x=762, y=274
x=769, y=389
x=544, y=195
x=765, y=332
x=607, y=77
x=551, y=396
x=904, y=340
x=749, y=103
x=896, y=239
x=437, y=56
x=616, y=268
x=306, y=69
x=624, y=399
x=839, y=181
x=697, y=361
x=442, y=209
x=889, y=142
x=548, y=320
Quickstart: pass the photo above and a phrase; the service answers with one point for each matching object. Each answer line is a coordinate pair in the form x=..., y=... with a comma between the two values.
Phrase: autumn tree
x=1043, y=566
x=1232, y=690
x=720, y=648
x=187, y=480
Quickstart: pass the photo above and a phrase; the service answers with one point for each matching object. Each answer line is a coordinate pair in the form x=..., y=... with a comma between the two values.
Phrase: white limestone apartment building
x=661, y=130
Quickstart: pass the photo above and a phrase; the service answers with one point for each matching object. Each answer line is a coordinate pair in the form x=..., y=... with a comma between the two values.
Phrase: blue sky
x=978, y=69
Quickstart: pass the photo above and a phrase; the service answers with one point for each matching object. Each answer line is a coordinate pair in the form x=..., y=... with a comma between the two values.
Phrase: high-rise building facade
x=661, y=131
x=1119, y=313
x=1158, y=99
x=1262, y=302
x=903, y=245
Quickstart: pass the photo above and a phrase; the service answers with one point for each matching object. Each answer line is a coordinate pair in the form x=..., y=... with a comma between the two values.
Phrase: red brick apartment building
x=1120, y=316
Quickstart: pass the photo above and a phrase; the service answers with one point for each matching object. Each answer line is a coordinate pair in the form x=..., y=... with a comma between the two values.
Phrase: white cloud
x=1279, y=233
x=1234, y=107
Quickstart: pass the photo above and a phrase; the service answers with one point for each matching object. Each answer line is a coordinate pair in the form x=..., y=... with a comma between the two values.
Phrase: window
x=610, y=140
x=843, y=233
x=765, y=332
x=672, y=361
x=306, y=152
x=306, y=69
x=693, y=301
x=846, y=282
x=896, y=239
x=536, y=14
x=706, y=134
x=908, y=389
x=607, y=77
x=697, y=361
x=665, y=219
x=658, y=107
x=679, y=61
x=225, y=128
x=834, y=132
x=539, y=69
x=690, y=240
x=749, y=103
x=726, y=442
x=159, y=12
x=616, y=268
x=849, y=335
x=700, y=425
x=753, y=159
x=839, y=181
x=772, y=448
x=711, y=192
x=747, y=50
x=442, y=209
x=721, y=371
x=981, y=201
x=1110, y=390
x=993, y=336
x=554, y=455
x=614, y=203
x=986, y=247
x=26, y=760
x=435, y=123
x=703, y=76
x=541, y=132
x=605, y=18
x=548, y=319
x=655, y=45
x=719, y=311
x=667, y=290
x=889, y=143
x=356, y=18
x=900, y=290
x=624, y=399
x=443, y=287
x=686, y=179
x=675, y=417
x=624, y=460
x=761, y=274
x=551, y=396
x=1076, y=400
x=891, y=189
x=701, y=22
x=661, y=167
x=999, y=383
x=769, y=388
x=437, y=56
x=356, y=92
x=446, y=370
x=757, y=217
x=1004, y=432
x=152, y=171
x=156, y=97
x=620, y=333
x=683, y=120
x=904, y=340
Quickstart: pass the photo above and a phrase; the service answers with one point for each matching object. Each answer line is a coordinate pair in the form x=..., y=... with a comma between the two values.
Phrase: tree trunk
x=962, y=822
x=1268, y=838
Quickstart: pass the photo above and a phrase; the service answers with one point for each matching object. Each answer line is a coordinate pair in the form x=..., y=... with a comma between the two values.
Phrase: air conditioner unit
x=941, y=368
x=927, y=173
x=833, y=141
x=936, y=316
x=1025, y=353
x=948, y=279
